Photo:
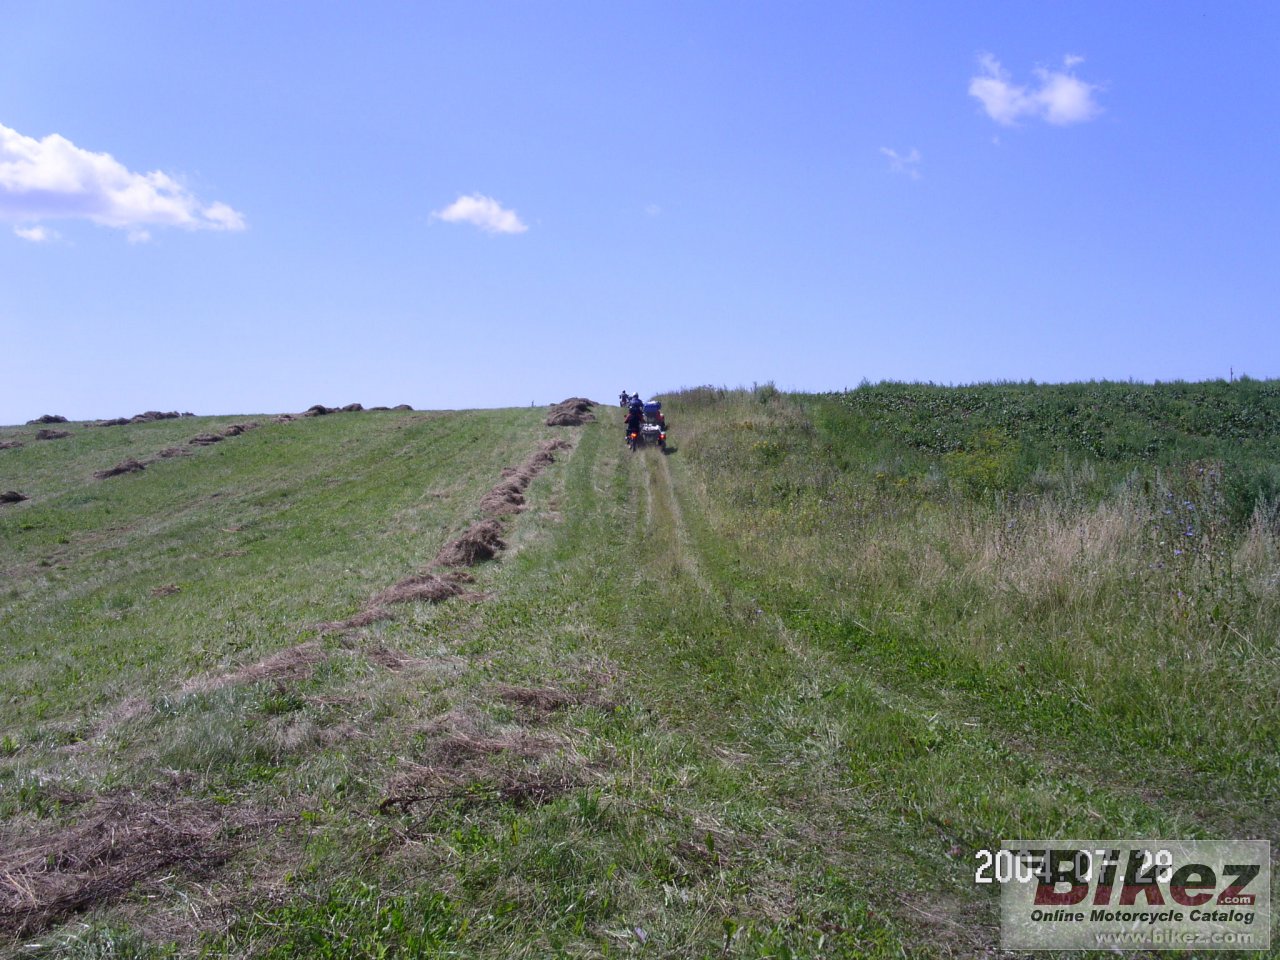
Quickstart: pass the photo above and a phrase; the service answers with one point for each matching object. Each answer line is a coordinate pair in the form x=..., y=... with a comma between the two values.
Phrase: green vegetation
x=1011, y=437
x=762, y=697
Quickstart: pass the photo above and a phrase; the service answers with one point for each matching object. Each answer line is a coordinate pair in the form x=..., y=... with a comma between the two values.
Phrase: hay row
x=200, y=440
x=480, y=542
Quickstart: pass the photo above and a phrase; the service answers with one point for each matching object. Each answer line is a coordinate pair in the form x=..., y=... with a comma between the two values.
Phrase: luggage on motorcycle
x=652, y=408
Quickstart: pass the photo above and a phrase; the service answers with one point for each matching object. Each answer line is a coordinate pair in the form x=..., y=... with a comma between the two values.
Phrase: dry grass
x=419, y=588
x=290, y=664
x=1050, y=552
x=424, y=587
x=456, y=768
x=123, y=840
x=572, y=412
x=392, y=659
x=124, y=466
x=541, y=702
x=480, y=542
x=461, y=735
x=124, y=711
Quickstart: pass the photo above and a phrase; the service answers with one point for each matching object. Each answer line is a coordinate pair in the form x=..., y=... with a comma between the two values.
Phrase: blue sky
x=246, y=207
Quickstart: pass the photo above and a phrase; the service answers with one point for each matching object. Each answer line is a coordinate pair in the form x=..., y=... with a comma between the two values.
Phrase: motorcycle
x=651, y=433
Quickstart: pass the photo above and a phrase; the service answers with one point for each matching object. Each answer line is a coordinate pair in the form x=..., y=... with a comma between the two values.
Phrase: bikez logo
x=1065, y=895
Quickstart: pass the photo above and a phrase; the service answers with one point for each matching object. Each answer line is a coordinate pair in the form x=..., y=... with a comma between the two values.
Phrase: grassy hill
x=762, y=697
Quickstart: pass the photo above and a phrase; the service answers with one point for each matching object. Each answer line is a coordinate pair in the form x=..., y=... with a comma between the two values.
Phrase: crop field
x=463, y=684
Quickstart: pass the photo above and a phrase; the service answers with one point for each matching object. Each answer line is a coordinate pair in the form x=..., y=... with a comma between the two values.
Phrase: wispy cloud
x=53, y=179
x=483, y=212
x=1056, y=96
x=906, y=164
x=36, y=234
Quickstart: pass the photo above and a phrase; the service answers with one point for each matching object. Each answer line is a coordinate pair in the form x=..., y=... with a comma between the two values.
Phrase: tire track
x=769, y=729
x=666, y=526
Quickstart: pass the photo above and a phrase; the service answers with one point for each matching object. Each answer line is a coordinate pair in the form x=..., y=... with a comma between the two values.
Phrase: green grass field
x=764, y=696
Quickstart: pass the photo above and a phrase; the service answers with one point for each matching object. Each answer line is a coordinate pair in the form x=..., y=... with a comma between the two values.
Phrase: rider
x=635, y=415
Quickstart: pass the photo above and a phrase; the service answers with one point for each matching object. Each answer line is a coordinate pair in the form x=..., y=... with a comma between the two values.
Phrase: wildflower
x=1177, y=553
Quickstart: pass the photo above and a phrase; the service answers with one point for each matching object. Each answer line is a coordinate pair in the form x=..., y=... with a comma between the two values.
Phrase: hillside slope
x=764, y=696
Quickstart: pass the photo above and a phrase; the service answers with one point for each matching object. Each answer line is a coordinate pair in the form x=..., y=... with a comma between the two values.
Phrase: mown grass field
x=762, y=697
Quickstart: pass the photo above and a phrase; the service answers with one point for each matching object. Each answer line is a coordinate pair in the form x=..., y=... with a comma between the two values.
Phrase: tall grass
x=1098, y=598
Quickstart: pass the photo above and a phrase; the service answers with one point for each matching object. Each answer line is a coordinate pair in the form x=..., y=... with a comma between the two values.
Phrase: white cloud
x=54, y=179
x=37, y=234
x=483, y=212
x=1057, y=96
x=223, y=217
x=903, y=163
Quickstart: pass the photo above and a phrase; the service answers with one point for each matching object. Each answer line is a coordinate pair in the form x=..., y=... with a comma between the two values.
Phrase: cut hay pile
x=290, y=664
x=234, y=430
x=426, y=587
x=456, y=769
x=505, y=498
x=392, y=659
x=572, y=412
x=149, y=417
x=481, y=541
x=123, y=840
x=320, y=410
x=124, y=466
x=543, y=701
x=421, y=588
